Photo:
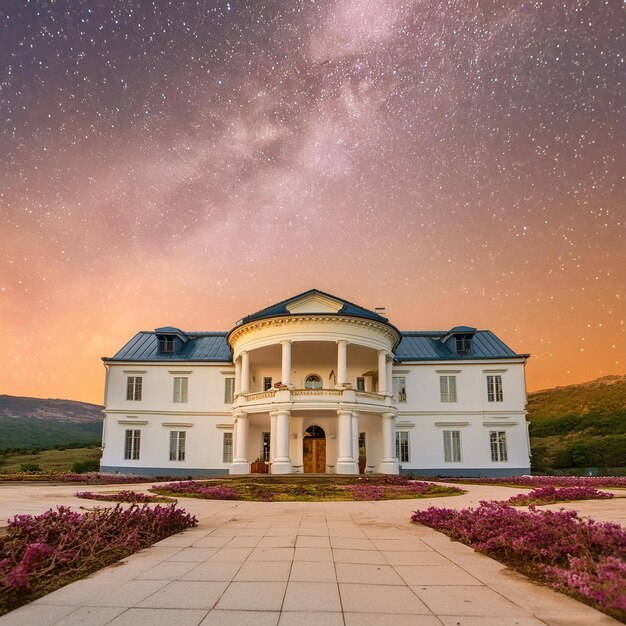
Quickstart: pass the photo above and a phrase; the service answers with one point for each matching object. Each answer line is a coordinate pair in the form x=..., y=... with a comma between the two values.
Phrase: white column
x=286, y=362
x=355, y=436
x=382, y=372
x=237, y=377
x=272, y=436
x=240, y=463
x=282, y=462
x=245, y=372
x=390, y=463
x=390, y=375
x=345, y=461
x=342, y=363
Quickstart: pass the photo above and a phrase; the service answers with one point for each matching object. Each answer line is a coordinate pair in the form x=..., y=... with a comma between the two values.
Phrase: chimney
x=381, y=310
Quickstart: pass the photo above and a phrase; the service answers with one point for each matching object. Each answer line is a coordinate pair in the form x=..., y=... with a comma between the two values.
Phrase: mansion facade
x=316, y=384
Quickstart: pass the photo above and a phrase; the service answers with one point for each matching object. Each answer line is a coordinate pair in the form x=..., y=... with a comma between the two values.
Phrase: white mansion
x=316, y=384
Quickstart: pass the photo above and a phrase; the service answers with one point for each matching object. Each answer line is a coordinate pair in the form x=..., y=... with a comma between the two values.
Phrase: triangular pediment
x=314, y=303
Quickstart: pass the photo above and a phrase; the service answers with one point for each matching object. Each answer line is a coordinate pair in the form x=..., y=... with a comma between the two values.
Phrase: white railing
x=317, y=392
x=261, y=395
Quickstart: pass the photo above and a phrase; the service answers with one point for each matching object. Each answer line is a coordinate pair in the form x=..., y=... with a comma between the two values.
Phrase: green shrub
x=82, y=467
x=30, y=468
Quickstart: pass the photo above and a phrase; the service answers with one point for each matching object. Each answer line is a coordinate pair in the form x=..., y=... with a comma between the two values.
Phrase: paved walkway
x=302, y=563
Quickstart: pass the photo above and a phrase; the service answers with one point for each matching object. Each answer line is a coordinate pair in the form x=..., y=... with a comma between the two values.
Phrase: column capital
x=344, y=411
x=280, y=412
x=238, y=414
x=284, y=342
x=243, y=352
x=344, y=341
x=388, y=415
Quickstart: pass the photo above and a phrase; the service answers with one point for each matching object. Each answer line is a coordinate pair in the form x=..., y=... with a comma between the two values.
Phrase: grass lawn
x=49, y=460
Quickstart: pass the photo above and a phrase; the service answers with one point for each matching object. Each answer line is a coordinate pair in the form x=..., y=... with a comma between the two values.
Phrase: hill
x=579, y=425
x=44, y=423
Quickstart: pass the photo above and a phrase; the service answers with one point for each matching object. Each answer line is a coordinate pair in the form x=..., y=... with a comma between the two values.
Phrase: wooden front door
x=314, y=456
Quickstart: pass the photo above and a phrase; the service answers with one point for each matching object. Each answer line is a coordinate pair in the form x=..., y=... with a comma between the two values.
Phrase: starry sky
x=187, y=163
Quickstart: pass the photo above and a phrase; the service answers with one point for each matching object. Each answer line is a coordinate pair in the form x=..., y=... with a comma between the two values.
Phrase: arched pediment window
x=312, y=381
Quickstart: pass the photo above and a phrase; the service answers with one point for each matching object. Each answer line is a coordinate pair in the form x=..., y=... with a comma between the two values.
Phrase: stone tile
x=322, y=571
x=31, y=615
x=275, y=571
x=313, y=597
x=312, y=542
x=129, y=594
x=159, y=617
x=401, y=545
x=186, y=594
x=231, y=554
x=466, y=600
x=383, y=619
x=286, y=541
x=253, y=596
x=244, y=542
x=90, y=616
x=240, y=618
x=294, y=618
x=272, y=554
x=380, y=599
x=348, y=543
x=167, y=570
x=212, y=541
x=435, y=575
x=359, y=556
x=155, y=553
x=213, y=571
x=367, y=574
x=181, y=540
x=193, y=554
x=313, y=554
x=494, y=621
x=415, y=558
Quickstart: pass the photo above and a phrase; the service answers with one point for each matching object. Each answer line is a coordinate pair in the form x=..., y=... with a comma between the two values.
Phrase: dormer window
x=463, y=344
x=166, y=345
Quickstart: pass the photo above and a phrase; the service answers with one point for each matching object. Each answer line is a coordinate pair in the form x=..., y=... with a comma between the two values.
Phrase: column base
x=239, y=468
x=281, y=467
x=389, y=467
x=346, y=467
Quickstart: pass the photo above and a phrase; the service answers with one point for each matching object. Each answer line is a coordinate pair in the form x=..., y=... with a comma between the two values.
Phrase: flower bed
x=296, y=489
x=583, y=558
x=542, y=481
x=132, y=497
x=550, y=495
x=39, y=554
x=89, y=478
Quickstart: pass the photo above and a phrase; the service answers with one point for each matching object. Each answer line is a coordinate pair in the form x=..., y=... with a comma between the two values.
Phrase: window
x=166, y=344
x=452, y=446
x=313, y=381
x=266, y=447
x=447, y=388
x=229, y=390
x=177, y=445
x=463, y=344
x=181, y=389
x=494, y=388
x=133, y=387
x=360, y=383
x=227, y=448
x=131, y=447
x=399, y=388
x=497, y=440
x=402, y=446
x=267, y=383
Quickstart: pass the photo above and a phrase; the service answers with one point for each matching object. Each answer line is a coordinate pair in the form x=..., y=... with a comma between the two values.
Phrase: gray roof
x=414, y=346
x=427, y=345
x=144, y=346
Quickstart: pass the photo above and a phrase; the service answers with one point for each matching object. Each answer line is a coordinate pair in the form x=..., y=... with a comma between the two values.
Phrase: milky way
x=187, y=163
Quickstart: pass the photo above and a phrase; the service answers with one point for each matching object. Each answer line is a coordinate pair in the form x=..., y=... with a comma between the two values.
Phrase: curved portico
x=314, y=362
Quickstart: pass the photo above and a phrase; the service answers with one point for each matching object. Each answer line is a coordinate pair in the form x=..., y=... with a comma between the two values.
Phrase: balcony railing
x=261, y=399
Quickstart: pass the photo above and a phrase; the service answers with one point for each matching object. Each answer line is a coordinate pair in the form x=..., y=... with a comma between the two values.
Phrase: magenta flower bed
x=550, y=495
x=41, y=553
x=122, y=496
x=544, y=481
x=198, y=489
x=581, y=557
